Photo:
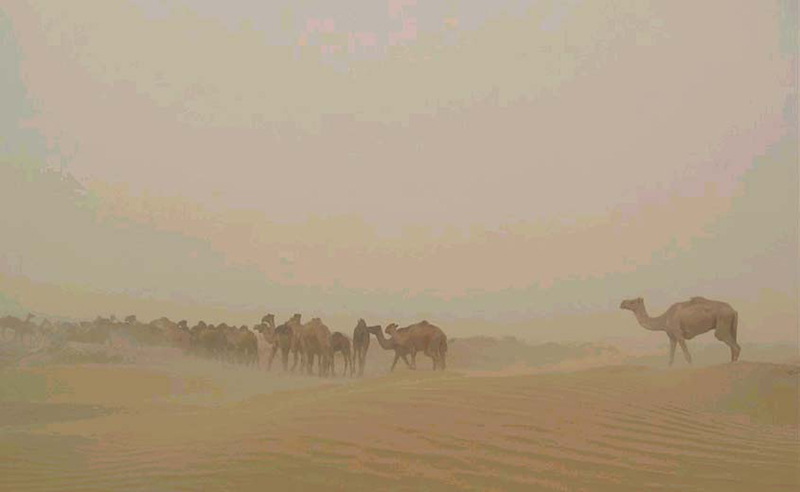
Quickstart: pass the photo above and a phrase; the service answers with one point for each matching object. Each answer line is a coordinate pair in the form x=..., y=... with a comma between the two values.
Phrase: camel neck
x=384, y=343
x=645, y=320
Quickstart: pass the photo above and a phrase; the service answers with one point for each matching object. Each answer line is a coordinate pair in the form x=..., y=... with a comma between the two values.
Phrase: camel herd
x=314, y=341
x=305, y=343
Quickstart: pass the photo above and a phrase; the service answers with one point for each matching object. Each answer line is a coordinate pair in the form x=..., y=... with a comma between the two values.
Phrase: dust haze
x=531, y=245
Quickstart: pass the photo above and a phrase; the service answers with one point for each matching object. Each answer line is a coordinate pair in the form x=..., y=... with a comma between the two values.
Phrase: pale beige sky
x=524, y=160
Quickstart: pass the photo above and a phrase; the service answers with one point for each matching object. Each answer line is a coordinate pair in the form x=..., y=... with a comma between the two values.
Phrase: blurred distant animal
x=19, y=327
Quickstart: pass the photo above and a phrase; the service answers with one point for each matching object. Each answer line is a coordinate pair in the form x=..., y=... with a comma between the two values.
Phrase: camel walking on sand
x=291, y=332
x=400, y=351
x=361, y=344
x=422, y=337
x=272, y=341
x=340, y=343
x=315, y=340
x=685, y=320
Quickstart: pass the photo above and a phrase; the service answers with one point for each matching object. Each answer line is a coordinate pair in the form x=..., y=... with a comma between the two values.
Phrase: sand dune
x=201, y=426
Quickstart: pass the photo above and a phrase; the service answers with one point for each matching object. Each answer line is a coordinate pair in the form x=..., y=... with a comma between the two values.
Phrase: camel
x=282, y=339
x=390, y=344
x=268, y=319
x=340, y=343
x=208, y=341
x=179, y=336
x=307, y=341
x=240, y=344
x=291, y=331
x=174, y=334
x=246, y=347
x=316, y=342
x=685, y=320
x=19, y=327
x=424, y=337
x=361, y=345
x=270, y=339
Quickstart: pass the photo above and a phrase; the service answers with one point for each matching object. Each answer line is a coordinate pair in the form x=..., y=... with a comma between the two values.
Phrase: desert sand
x=190, y=424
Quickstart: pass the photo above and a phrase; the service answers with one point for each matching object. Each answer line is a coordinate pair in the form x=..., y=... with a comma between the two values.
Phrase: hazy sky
x=497, y=160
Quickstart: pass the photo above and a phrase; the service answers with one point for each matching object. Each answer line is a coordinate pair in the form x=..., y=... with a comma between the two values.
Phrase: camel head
x=296, y=317
x=361, y=323
x=375, y=330
x=183, y=324
x=632, y=304
x=391, y=329
x=269, y=319
x=267, y=330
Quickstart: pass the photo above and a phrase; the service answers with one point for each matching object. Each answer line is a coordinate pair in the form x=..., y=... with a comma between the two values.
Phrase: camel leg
x=735, y=348
x=272, y=356
x=406, y=361
x=396, y=358
x=672, y=344
x=434, y=355
x=725, y=337
x=685, y=349
x=285, y=358
x=735, y=351
x=413, y=360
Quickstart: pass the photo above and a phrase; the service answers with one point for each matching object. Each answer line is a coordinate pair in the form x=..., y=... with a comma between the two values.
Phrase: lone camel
x=685, y=320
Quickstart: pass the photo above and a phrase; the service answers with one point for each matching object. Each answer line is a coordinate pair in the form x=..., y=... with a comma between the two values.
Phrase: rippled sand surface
x=194, y=426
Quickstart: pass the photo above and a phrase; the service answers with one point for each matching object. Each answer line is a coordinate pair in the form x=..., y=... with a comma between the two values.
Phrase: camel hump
x=698, y=299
